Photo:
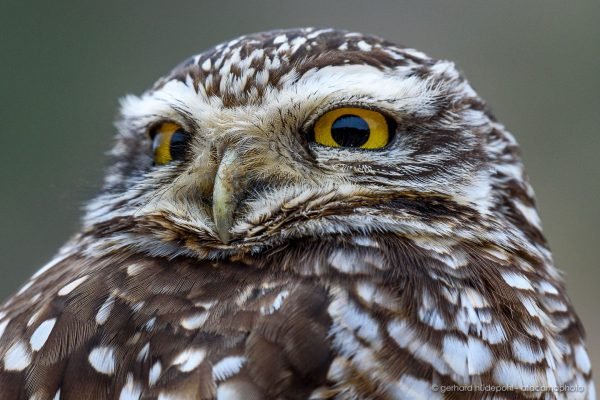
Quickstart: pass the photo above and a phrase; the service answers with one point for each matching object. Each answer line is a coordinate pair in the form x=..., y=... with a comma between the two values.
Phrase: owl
x=302, y=214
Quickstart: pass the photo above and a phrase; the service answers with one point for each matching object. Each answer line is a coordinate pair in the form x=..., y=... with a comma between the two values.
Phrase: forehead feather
x=301, y=99
x=240, y=71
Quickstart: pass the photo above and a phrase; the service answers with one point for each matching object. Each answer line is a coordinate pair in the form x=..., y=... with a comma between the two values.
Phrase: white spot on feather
x=498, y=253
x=547, y=287
x=131, y=390
x=206, y=64
x=527, y=352
x=154, y=373
x=47, y=266
x=534, y=330
x=104, y=311
x=451, y=294
x=134, y=269
x=432, y=318
x=455, y=353
x=194, y=321
x=71, y=286
x=365, y=241
x=407, y=338
x=169, y=396
x=479, y=358
x=137, y=307
x=582, y=359
x=347, y=262
x=554, y=305
x=346, y=314
x=25, y=287
x=564, y=373
x=512, y=374
x=318, y=33
x=471, y=357
x=189, y=359
x=429, y=314
x=149, y=325
x=364, y=46
x=517, y=280
x=262, y=77
x=393, y=54
x=143, y=354
x=296, y=43
x=276, y=305
x=530, y=213
x=33, y=318
x=533, y=308
x=591, y=390
x=18, y=357
x=33, y=299
x=284, y=47
x=411, y=388
x=41, y=334
x=472, y=298
x=229, y=391
x=337, y=369
x=39, y=395
x=3, y=325
x=102, y=359
x=227, y=367
x=280, y=39
x=493, y=333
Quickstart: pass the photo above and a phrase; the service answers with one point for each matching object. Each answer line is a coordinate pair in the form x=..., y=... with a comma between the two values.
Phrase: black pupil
x=350, y=131
x=177, y=147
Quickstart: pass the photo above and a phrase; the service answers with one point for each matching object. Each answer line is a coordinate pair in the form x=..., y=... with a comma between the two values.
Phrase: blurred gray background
x=63, y=65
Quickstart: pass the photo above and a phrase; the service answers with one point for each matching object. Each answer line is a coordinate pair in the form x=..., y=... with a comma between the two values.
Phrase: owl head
x=306, y=134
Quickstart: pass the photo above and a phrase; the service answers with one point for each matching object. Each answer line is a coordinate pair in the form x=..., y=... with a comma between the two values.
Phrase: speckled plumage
x=345, y=274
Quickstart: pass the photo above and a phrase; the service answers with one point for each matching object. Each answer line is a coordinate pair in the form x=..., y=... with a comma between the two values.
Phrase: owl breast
x=364, y=317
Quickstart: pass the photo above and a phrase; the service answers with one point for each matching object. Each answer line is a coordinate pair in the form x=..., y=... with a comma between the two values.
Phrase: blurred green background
x=63, y=65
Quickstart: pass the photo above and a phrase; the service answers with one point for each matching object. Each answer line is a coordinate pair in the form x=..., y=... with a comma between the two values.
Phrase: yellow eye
x=352, y=127
x=169, y=142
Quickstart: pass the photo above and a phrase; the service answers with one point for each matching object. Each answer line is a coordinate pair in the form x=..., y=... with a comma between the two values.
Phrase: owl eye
x=169, y=142
x=352, y=127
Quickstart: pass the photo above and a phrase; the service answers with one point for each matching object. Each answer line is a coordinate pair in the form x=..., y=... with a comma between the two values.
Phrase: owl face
x=289, y=134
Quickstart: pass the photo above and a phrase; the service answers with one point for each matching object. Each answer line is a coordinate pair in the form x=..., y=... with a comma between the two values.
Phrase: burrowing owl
x=302, y=214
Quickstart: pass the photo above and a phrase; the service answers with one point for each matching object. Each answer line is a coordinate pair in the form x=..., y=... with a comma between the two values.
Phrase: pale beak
x=225, y=189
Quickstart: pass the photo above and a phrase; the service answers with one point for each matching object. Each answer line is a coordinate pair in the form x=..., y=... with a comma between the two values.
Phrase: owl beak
x=224, y=200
